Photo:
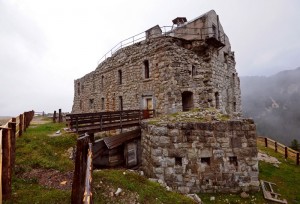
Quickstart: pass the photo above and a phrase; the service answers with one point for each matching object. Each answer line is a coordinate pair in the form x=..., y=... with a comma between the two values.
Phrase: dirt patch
x=51, y=178
x=39, y=120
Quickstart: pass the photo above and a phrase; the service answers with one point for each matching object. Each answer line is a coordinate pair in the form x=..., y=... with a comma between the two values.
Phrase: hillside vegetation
x=273, y=103
x=43, y=174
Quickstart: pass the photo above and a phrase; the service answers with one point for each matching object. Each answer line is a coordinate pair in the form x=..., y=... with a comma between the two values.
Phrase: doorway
x=187, y=100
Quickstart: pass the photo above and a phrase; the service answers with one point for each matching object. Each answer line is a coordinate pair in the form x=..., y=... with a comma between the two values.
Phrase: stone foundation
x=191, y=157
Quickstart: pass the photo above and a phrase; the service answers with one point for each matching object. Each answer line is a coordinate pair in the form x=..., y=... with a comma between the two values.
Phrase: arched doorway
x=187, y=100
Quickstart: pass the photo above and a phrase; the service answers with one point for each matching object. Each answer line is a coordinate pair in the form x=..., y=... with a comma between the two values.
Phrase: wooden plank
x=80, y=170
x=1, y=165
x=6, y=164
x=12, y=125
x=88, y=195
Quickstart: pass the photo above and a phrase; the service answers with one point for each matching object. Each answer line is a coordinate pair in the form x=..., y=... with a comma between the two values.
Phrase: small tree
x=295, y=145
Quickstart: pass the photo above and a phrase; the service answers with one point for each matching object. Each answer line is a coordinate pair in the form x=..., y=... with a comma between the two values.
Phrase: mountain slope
x=274, y=103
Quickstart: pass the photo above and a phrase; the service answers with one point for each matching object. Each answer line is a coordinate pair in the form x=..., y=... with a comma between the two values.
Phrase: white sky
x=45, y=45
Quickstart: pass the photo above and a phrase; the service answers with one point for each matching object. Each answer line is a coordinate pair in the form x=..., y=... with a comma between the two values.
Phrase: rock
x=142, y=173
x=71, y=153
x=153, y=179
x=63, y=183
x=119, y=190
x=212, y=198
x=111, y=194
x=244, y=195
x=57, y=132
x=195, y=197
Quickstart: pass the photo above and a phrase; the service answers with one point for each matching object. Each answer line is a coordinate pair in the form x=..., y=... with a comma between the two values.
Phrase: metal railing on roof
x=182, y=31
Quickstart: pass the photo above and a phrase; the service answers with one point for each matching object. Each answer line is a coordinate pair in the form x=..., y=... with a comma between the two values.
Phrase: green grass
x=35, y=149
x=29, y=191
x=149, y=192
x=287, y=176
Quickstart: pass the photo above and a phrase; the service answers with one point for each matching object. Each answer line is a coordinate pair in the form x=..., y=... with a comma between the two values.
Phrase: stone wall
x=219, y=156
x=176, y=66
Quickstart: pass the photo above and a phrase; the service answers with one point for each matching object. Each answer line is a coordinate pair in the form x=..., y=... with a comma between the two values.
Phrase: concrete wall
x=178, y=153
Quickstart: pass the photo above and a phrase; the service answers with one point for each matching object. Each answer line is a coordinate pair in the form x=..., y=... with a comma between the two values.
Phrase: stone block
x=207, y=152
x=164, y=140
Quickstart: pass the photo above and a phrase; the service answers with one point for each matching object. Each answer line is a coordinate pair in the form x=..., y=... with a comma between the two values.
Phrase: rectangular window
x=205, y=160
x=233, y=160
x=119, y=76
x=120, y=103
x=91, y=103
x=146, y=69
x=102, y=104
x=102, y=81
x=193, y=70
x=78, y=88
x=178, y=161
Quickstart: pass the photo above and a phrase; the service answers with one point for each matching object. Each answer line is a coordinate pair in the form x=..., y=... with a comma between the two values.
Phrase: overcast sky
x=45, y=45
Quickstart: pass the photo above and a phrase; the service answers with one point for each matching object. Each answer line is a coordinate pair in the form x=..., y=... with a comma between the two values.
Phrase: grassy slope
x=35, y=149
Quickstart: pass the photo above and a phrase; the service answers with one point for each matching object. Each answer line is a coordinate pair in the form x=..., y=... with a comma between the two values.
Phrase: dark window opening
x=82, y=87
x=80, y=105
x=78, y=88
x=233, y=160
x=102, y=104
x=234, y=106
x=120, y=103
x=205, y=160
x=91, y=103
x=187, y=100
x=178, y=161
x=217, y=98
x=119, y=76
x=102, y=81
x=193, y=70
x=146, y=69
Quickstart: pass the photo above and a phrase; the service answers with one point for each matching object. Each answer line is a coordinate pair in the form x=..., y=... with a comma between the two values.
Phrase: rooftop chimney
x=179, y=21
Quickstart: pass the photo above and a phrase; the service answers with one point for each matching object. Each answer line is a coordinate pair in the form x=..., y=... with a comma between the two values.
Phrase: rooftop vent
x=179, y=21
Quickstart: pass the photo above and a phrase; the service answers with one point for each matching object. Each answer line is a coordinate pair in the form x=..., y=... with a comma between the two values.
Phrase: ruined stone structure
x=186, y=67
x=218, y=156
x=189, y=66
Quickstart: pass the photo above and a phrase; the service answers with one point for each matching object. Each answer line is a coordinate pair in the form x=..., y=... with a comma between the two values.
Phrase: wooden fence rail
x=8, y=133
x=278, y=147
x=103, y=121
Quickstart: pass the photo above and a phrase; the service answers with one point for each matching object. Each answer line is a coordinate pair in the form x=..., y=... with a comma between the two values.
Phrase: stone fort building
x=183, y=67
x=170, y=69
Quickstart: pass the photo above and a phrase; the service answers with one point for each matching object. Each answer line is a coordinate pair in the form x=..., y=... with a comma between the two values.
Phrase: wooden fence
x=278, y=147
x=8, y=133
x=82, y=180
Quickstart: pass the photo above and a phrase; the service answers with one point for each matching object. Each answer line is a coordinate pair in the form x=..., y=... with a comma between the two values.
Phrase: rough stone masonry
x=188, y=66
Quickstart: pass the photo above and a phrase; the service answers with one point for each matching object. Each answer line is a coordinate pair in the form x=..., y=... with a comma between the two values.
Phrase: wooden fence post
x=24, y=121
x=285, y=152
x=266, y=142
x=20, y=125
x=80, y=170
x=298, y=159
x=12, y=125
x=59, y=116
x=54, y=117
x=275, y=146
x=6, y=163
